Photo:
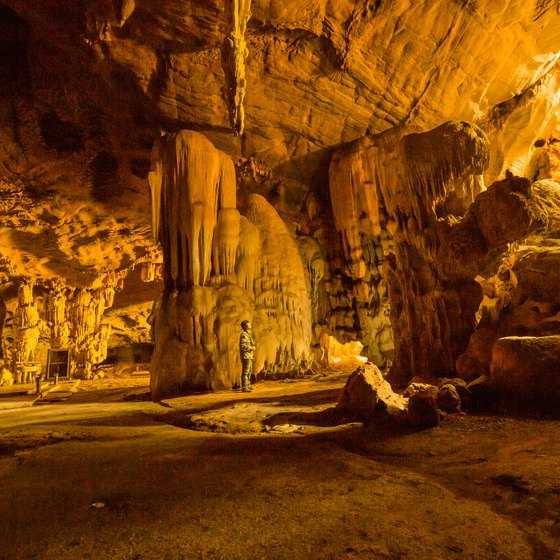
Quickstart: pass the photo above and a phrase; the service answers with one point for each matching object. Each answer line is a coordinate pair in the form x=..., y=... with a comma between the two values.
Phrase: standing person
x=247, y=350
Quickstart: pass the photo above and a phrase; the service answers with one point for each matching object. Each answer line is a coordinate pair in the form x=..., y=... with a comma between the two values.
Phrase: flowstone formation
x=220, y=267
x=445, y=240
x=403, y=183
x=52, y=316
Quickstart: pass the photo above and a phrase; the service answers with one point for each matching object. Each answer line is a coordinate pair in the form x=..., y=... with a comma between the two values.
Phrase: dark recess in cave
x=60, y=135
x=105, y=177
x=14, y=41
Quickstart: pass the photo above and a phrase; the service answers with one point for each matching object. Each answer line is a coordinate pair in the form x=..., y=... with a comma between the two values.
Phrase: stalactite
x=234, y=52
x=191, y=182
x=123, y=10
x=150, y=271
x=150, y=266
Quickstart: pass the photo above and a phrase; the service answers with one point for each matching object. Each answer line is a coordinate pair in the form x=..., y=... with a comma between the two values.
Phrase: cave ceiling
x=89, y=85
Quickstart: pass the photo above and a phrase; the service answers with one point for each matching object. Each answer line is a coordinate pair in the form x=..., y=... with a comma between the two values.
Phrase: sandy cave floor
x=104, y=473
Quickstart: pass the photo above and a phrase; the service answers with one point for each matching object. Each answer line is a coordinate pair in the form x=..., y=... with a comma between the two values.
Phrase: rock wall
x=424, y=185
x=279, y=84
x=219, y=268
x=519, y=287
x=402, y=183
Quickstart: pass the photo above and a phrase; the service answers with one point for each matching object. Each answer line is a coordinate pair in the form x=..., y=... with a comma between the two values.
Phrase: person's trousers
x=246, y=373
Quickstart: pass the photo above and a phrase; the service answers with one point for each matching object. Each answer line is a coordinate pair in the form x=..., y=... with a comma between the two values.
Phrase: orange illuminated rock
x=277, y=86
x=220, y=268
x=367, y=396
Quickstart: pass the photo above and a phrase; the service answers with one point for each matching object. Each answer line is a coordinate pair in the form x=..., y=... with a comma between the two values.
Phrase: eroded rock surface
x=367, y=396
x=527, y=369
x=277, y=86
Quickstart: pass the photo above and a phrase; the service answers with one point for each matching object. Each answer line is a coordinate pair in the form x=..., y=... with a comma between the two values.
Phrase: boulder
x=423, y=410
x=448, y=399
x=527, y=369
x=416, y=387
x=368, y=395
x=460, y=386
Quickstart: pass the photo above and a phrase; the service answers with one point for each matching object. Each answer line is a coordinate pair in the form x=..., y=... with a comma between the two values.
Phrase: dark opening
x=60, y=135
x=14, y=42
x=105, y=176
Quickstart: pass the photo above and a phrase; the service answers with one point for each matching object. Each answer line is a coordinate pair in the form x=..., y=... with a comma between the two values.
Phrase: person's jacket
x=246, y=346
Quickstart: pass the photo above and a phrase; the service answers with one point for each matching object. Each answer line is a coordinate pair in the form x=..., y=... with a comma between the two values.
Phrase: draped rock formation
x=26, y=324
x=403, y=183
x=219, y=268
x=444, y=238
x=234, y=53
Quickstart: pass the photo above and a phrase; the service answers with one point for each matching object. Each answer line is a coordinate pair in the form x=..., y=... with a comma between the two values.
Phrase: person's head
x=246, y=325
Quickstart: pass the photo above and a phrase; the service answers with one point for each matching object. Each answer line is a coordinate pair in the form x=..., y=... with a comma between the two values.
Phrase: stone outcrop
x=367, y=396
x=527, y=370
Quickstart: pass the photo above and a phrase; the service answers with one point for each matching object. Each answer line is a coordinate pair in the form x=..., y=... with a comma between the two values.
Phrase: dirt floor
x=100, y=472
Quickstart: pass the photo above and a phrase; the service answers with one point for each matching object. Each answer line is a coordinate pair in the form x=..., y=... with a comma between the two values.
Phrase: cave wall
x=278, y=87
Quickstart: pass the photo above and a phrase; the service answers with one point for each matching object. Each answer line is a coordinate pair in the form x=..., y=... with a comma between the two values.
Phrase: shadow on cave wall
x=14, y=43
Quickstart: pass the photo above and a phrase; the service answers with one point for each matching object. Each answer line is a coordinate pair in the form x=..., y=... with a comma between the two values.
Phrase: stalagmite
x=283, y=307
x=55, y=315
x=26, y=328
x=220, y=268
x=76, y=322
x=3, y=310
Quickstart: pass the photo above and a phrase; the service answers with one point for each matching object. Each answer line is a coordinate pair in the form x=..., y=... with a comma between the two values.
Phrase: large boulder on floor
x=460, y=386
x=367, y=396
x=417, y=387
x=423, y=409
x=448, y=398
x=527, y=368
x=475, y=360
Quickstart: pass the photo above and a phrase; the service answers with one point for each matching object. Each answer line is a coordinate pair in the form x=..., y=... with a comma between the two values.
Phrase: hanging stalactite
x=234, y=53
